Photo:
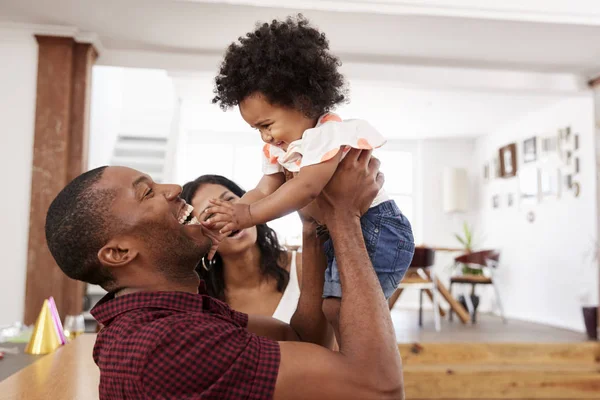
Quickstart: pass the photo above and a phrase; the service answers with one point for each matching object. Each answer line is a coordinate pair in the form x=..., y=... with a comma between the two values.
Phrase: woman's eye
x=149, y=193
x=230, y=199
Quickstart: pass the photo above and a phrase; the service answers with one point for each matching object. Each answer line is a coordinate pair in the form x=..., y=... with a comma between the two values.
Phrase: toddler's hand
x=228, y=216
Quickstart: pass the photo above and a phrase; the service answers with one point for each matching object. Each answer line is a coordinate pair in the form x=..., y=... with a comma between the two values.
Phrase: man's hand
x=353, y=186
x=228, y=216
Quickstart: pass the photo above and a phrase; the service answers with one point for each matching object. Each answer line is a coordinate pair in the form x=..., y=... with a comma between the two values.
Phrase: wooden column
x=59, y=155
x=595, y=84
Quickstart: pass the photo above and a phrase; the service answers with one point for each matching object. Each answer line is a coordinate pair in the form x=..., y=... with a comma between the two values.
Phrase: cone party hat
x=44, y=338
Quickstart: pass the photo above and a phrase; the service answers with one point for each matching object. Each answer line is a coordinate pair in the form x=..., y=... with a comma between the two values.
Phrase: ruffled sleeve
x=323, y=142
x=270, y=157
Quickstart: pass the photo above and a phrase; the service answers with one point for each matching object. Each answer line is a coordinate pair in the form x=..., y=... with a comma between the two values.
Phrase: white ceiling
x=199, y=27
x=402, y=43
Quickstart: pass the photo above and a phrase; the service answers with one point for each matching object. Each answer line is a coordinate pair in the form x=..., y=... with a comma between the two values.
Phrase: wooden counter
x=67, y=374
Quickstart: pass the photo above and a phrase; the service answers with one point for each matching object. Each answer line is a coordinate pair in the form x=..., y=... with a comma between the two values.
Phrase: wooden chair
x=486, y=260
x=418, y=278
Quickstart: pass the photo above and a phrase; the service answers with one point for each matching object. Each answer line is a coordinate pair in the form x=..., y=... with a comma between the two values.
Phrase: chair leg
x=497, y=293
x=436, y=310
x=421, y=307
x=470, y=307
x=450, y=312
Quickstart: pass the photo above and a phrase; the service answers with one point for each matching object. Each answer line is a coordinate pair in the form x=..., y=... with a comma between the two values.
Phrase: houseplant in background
x=466, y=239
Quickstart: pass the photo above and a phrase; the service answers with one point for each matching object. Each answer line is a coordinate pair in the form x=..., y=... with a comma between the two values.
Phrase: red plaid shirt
x=176, y=345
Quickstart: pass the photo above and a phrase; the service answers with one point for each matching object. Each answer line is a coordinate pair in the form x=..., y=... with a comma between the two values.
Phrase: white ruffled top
x=321, y=143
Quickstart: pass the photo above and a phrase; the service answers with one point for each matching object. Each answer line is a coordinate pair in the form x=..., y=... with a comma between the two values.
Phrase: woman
x=251, y=272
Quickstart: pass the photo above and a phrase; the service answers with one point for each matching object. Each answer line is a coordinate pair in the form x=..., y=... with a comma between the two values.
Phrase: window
x=398, y=169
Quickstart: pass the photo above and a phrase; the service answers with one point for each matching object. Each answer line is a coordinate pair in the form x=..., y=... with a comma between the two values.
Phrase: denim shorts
x=390, y=244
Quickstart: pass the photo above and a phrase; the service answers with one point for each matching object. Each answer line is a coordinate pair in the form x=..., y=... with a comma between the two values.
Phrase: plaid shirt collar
x=110, y=307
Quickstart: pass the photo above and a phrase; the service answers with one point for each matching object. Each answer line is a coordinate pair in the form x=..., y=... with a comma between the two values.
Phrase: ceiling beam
x=557, y=12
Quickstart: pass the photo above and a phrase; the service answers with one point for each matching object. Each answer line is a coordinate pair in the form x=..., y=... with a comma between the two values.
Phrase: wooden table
x=67, y=374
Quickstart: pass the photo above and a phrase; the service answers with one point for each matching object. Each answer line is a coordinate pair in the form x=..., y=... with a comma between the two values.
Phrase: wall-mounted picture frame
x=576, y=142
x=496, y=201
x=568, y=157
x=568, y=181
x=550, y=182
x=529, y=185
x=508, y=160
x=530, y=150
x=576, y=165
x=486, y=172
x=576, y=189
x=510, y=200
x=548, y=146
x=495, y=168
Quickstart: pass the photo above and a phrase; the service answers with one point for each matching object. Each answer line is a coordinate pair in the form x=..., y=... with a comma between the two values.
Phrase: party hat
x=57, y=323
x=44, y=338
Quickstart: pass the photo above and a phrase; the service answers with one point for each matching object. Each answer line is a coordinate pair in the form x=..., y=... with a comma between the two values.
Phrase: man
x=164, y=339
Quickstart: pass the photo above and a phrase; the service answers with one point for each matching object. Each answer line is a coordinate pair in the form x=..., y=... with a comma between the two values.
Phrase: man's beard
x=175, y=254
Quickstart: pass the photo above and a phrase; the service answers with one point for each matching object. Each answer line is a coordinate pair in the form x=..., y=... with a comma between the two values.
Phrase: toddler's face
x=277, y=125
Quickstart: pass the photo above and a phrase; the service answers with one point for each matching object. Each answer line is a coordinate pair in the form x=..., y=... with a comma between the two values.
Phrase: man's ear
x=117, y=253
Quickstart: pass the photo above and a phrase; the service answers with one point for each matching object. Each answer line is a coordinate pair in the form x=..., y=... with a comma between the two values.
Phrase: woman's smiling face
x=237, y=241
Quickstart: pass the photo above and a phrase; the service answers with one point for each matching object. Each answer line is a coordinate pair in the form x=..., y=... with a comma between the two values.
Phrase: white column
x=18, y=78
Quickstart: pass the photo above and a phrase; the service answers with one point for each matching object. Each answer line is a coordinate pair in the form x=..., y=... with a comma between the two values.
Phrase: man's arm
x=368, y=365
x=308, y=324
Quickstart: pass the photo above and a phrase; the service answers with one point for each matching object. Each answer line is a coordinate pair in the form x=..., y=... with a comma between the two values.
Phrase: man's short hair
x=77, y=228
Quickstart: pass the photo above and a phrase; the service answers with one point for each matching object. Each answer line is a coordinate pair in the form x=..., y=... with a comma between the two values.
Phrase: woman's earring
x=211, y=263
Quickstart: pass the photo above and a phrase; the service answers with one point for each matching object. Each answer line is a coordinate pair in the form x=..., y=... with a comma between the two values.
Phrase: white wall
x=106, y=108
x=129, y=101
x=546, y=270
x=18, y=76
x=431, y=225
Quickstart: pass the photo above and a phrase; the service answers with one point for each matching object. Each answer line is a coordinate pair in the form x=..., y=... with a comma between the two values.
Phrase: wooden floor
x=501, y=370
x=488, y=329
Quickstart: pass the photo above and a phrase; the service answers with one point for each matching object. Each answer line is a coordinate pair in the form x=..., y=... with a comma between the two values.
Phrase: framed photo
x=508, y=160
x=530, y=150
x=510, y=200
x=496, y=168
x=575, y=142
x=496, y=201
x=548, y=145
x=576, y=165
x=569, y=181
x=550, y=180
x=529, y=185
x=486, y=172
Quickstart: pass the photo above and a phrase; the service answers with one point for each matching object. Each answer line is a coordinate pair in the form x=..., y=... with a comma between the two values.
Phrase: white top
x=322, y=143
x=289, y=301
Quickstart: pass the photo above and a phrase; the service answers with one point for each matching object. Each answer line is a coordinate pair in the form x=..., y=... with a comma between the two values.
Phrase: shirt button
x=376, y=230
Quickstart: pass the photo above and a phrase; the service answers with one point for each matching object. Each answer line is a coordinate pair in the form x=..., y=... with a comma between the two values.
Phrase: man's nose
x=171, y=192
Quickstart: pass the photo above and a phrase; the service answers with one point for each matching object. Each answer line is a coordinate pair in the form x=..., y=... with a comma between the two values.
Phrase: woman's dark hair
x=271, y=252
x=287, y=61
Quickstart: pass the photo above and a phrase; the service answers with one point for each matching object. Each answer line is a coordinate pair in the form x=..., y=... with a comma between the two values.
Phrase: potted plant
x=467, y=241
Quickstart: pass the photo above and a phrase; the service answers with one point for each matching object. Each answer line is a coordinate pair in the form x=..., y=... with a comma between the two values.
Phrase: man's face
x=153, y=219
